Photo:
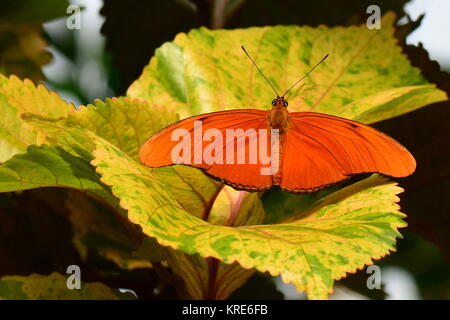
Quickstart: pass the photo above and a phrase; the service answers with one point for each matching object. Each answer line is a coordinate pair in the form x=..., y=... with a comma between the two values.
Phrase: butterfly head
x=280, y=102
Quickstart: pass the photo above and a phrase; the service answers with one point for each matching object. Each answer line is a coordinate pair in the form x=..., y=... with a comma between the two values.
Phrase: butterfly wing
x=158, y=150
x=320, y=150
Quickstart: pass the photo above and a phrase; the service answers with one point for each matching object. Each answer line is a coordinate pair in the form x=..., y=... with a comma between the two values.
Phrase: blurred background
x=116, y=39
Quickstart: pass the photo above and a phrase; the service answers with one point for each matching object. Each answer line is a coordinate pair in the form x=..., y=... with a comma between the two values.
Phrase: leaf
x=127, y=123
x=236, y=208
x=280, y=205
x=48, y=166
x=16, y=98
x=340, y=234
x=209, y=278
x=54, y=287
x=205, y=71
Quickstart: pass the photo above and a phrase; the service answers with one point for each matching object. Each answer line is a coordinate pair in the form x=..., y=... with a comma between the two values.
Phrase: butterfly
x=254, y=150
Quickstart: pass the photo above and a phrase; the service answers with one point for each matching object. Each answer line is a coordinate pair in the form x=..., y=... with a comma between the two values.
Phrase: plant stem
x=235, y=207
x=213, y=267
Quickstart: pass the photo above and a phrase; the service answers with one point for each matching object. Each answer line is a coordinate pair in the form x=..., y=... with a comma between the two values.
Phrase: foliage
x=176, y=220
x=37, y=287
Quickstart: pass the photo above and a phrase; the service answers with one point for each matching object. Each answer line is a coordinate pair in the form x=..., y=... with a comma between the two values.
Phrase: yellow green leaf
x=365, y=75
x=54, y=287
x=236, y=208
x=16, y=98
x=124, y=122
x=342, y=233
x=210, y=278
x=127, y=123
x=50, y=166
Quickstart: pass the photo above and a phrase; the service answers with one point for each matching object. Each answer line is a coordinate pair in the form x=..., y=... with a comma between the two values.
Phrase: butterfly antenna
x=260, y=71
x=305, y=75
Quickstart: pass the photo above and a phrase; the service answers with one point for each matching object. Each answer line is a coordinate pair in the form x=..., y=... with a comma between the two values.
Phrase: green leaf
x=16, y=98
x=54, y=287
x=341, y=233
x=236, y=208
x=281, y=205
x=48, y=166
x=205, y=71
x=209, y=278
x=127, y=123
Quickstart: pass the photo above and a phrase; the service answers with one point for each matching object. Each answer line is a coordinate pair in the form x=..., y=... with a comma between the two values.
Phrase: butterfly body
x=279, y=118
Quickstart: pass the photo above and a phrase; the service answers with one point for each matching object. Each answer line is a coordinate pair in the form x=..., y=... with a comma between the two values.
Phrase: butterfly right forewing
x=323, y=149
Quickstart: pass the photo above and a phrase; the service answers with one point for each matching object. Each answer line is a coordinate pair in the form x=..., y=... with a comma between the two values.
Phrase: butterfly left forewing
x=159, y=150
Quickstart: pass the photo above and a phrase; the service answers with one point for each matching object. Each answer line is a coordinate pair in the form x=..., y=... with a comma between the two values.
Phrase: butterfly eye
x=274, y=102
x=285, y=103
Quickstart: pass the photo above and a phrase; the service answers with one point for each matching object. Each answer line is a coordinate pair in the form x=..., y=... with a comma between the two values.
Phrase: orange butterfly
x=300, y=152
